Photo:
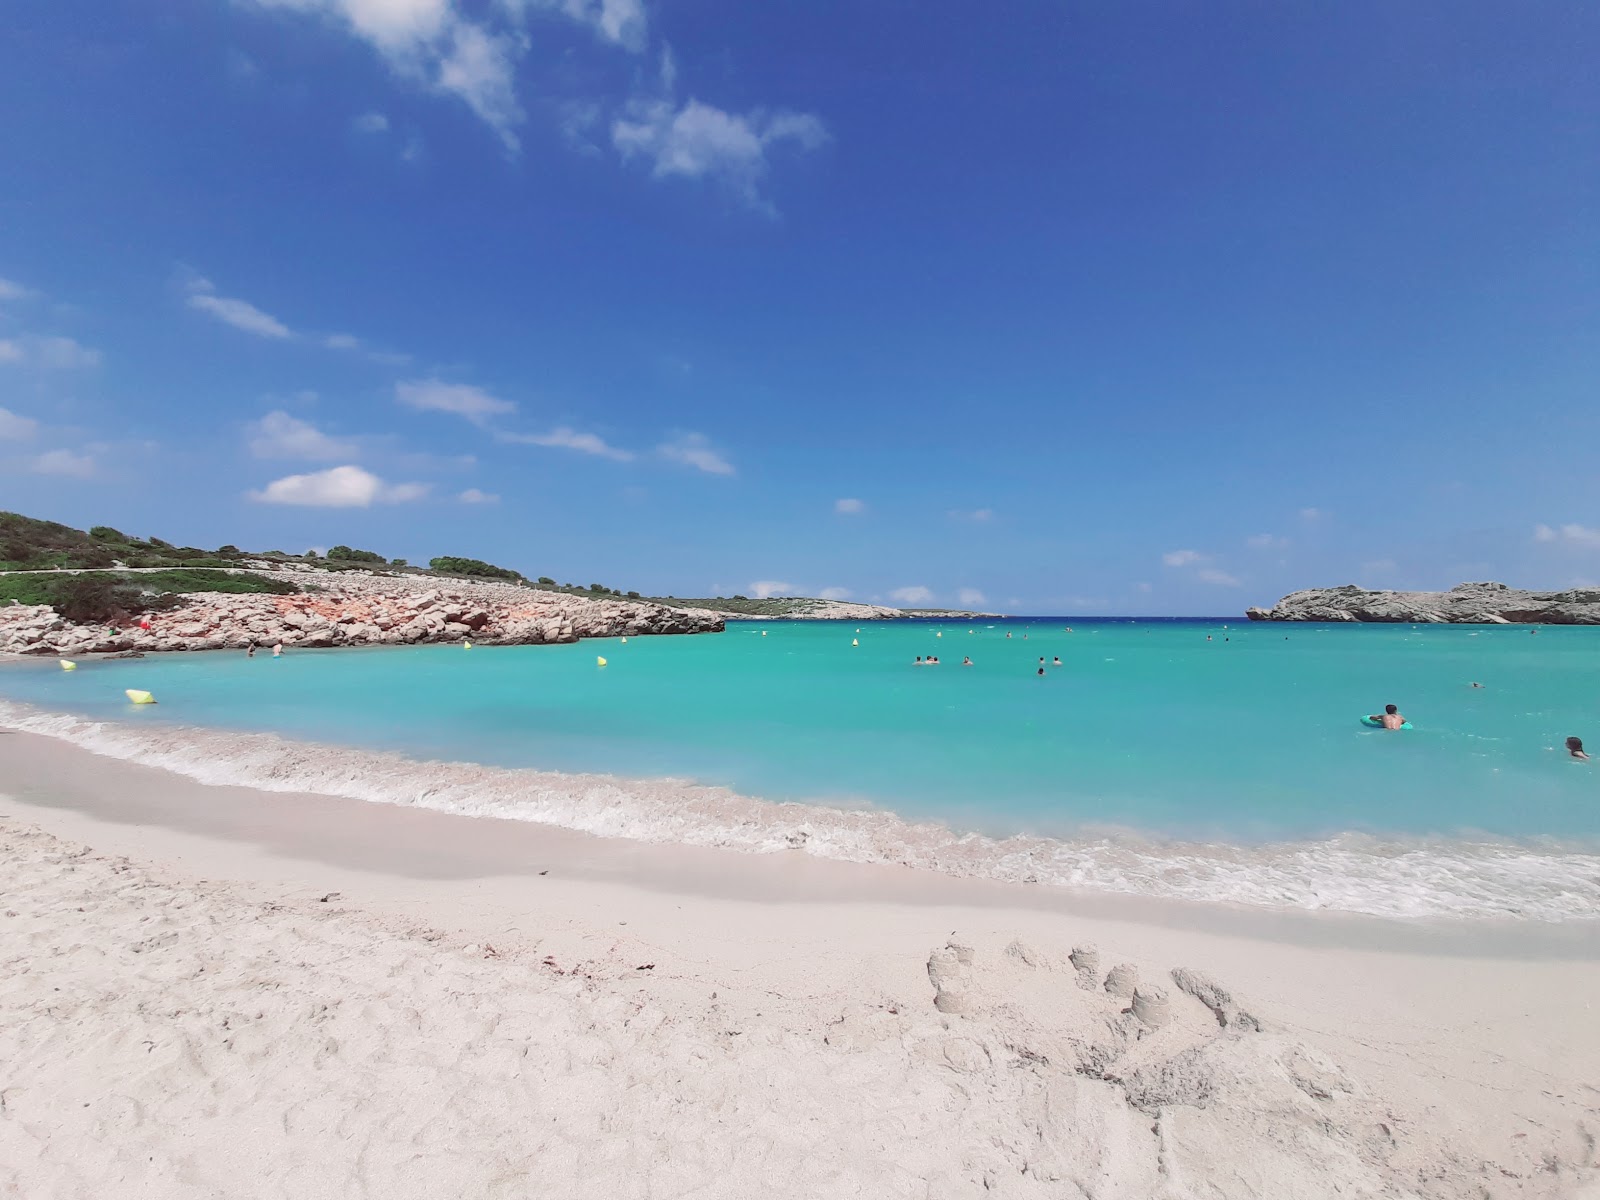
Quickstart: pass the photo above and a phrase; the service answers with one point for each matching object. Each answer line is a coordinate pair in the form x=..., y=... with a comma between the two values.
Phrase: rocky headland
x=1464, y=604
x=353, y=609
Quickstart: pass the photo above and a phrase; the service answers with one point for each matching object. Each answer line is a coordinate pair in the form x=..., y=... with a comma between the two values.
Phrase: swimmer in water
x=965, y=661
x=1575, y=748
x=1390, y=718
x=918, y=663
x=1477, y=685
x=1055, y=662
x=251, y=652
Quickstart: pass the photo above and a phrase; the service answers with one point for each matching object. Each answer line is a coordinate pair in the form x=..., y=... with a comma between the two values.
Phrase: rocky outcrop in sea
x=354, y=610
x=1464, y=604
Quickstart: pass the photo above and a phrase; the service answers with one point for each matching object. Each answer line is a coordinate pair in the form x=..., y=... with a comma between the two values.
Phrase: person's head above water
x=1575, y=744
x=1390, y=709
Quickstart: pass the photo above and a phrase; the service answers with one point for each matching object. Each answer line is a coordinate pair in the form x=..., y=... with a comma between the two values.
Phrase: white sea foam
x=1418, y=878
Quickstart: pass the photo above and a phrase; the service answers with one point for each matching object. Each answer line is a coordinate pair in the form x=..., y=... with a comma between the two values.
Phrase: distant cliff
x=1464, y=604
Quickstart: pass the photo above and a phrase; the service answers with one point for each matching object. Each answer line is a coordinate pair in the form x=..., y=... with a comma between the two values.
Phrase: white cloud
x=1214, y=576
x=370, y=122
x=51, y=353
x=474, y=496
x=568, y=438
x=279, y=435
x=462, y=399
x=481, y=69
x=971, y=596
x=241, y=314
x=342, y=341
x=1570, y=534
x=974, y=514
x=701, y=140
x=1312, y=514
x=849, y=507
x=694, y=450
x=11, y=290
x=765, y=589
x=1267, y=541
x=63, y=462
x=1144, y=587
x=15, y=427
x=430, y=43
x=834, y=593
x=620, y=21
x=337, y=487
x=911, y=595
x=1183, y=558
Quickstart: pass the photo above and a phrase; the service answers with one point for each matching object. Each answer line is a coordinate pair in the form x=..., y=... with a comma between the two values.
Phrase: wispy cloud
x=65, y=463
x=462, y=399
x=699, y=140
x=1182, y=558
x=620, y=21
x=834, y=593
x=15, y=427
x=912, y=595
x=342, y=341
x=1570, y=534
x=1312, y=514
x=695, y=450
x=567, y=438
x=849, y=507
x=971, y=596
x=765, y=589
x=1267, y=541
x=11, y=290
x=1205, y=571
x=370, y=122
x=338, y=487
x=1214, y=576
x=48, y=353
x=241, y=314
x=279, y=435
x=474, y=496
x=978, y=515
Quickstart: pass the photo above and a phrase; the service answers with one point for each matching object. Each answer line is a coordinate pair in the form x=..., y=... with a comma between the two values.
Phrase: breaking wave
x=1414, y=878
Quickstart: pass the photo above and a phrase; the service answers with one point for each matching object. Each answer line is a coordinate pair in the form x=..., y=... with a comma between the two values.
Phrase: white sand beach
x=213, y=991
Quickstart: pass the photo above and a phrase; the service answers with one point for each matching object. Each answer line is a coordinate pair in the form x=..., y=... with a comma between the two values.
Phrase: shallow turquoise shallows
x=1200, y=731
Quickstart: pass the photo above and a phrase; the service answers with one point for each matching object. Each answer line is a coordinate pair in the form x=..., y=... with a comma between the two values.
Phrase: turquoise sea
x=1212, y=759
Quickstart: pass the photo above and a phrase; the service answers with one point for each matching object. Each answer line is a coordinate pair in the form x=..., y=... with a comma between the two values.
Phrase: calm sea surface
x=1181, y=738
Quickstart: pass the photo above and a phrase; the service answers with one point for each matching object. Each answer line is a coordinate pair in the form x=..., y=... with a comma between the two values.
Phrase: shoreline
x=1524, y=885
x=812, y=959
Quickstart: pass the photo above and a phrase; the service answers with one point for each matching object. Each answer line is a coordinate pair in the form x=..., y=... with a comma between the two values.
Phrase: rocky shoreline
x=354, y=609
x=1464, y=604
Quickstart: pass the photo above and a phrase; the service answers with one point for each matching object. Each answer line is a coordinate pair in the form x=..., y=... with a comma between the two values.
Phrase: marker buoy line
x=138, y=697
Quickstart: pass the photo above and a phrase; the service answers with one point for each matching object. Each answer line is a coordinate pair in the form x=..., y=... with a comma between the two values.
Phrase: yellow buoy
x=466, y=645
x=138, y=697
x=68, y=665
x=599, y=662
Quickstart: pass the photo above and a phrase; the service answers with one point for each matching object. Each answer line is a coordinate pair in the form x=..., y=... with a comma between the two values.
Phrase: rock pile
x=1466, y=603
x=354, y=610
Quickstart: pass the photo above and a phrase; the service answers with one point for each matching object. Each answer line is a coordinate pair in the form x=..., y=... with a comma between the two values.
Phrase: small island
x=1464, y=604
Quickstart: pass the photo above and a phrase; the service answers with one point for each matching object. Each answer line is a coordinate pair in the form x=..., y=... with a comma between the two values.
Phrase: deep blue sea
x=1213, y=759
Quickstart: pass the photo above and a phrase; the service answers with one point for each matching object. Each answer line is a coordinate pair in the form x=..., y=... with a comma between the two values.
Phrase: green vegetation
x=347, y=554
x=27, y=544
x=473, y=567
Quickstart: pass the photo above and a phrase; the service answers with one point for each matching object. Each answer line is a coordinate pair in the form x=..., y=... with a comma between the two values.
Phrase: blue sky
x=1072, y=307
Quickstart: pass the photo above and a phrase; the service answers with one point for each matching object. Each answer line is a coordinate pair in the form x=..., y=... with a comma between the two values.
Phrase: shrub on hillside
x=348, y=554
x=472, y=566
